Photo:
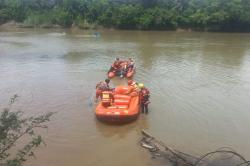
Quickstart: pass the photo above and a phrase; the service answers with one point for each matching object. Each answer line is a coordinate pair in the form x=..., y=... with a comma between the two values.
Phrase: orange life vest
x=134, y=89
x=106, y=97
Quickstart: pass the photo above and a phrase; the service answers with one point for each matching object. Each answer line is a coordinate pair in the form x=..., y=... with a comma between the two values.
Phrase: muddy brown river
x=199, y=82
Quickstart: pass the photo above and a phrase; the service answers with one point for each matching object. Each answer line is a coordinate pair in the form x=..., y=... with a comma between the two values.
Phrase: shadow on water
x=122, y=129
x=74, y=57
x=109, y=130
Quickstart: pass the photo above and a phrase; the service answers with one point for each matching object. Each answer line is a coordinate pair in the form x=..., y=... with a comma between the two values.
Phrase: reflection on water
x=199, y=82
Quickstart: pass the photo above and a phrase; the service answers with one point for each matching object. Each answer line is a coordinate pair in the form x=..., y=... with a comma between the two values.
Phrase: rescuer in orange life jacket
x=102, y=86
x=144, y=97
x=134, y=90
x=115, y=66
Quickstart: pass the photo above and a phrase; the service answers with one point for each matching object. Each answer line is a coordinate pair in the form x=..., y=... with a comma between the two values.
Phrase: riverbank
x=16, y=25
x=13, y=25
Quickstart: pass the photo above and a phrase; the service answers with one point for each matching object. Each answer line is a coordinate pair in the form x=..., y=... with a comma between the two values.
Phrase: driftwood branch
x=178, y=158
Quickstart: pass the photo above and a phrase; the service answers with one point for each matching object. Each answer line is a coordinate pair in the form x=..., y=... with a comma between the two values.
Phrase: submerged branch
x=178, y=158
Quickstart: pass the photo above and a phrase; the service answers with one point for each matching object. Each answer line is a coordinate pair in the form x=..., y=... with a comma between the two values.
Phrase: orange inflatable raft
x=121, y=73
x=123, y=107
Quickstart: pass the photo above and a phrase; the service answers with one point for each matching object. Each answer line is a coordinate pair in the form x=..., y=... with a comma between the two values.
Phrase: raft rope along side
x=159, y=149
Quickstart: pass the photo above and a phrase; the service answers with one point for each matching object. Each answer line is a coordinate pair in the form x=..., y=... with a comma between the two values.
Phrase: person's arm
x=97, y=85
x=130, y=89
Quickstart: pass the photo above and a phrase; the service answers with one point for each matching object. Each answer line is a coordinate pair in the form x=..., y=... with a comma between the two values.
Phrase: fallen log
x=159, y=149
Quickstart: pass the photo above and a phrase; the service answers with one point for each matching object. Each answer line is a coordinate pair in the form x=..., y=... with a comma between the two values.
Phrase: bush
x=62, y=17
x=38, y=19
x=13, y=128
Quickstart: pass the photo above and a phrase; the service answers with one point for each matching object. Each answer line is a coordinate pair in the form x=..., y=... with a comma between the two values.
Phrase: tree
x=127, y=16
x=13, y=129
x=4, y=15
x=219, y=15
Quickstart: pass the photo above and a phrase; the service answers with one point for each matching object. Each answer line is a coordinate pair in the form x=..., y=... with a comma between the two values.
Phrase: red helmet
x=130, y=82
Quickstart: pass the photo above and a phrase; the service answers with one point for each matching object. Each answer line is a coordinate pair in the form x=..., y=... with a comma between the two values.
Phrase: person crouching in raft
x=144, y=96
x=102, y=86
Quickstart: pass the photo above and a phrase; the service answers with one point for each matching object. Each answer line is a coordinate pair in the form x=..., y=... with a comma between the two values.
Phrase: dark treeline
x=210, y=15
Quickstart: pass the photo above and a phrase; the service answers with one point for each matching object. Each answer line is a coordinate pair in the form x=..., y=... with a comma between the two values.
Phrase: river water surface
x=199, y=82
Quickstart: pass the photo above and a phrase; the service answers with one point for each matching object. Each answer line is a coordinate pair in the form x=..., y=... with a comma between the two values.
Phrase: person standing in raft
x=102, y=86
x=144, y=96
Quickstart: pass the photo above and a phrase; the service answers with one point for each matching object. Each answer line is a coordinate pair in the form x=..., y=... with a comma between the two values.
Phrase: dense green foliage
x=221, y=15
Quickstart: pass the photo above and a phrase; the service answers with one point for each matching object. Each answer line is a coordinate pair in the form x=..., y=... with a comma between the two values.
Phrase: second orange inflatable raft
x=129, y=74
x=120, y=73
x=123, y=108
